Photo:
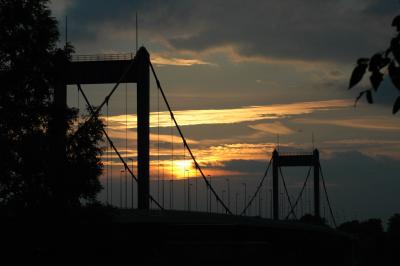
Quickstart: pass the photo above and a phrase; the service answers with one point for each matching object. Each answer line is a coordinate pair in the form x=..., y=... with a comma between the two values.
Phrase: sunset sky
x=239, y=73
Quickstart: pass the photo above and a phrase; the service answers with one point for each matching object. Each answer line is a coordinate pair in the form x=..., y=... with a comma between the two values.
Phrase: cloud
x=273, y=128
x=243, y=166
x=233, y=115
x=372, y=123
x=363, y=185
x=285, y=29
x=160, y=60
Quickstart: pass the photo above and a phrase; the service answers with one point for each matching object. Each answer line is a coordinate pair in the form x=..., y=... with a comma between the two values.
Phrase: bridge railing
x=102, y=57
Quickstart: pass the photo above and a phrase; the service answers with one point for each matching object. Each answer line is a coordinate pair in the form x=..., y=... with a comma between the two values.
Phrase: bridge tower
x=100, y=69
x=286, y=159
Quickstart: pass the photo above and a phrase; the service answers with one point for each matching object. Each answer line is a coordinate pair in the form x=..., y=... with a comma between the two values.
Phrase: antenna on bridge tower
x=312, y=140
x=277, y=138
x=66, y=30
x=136, y=32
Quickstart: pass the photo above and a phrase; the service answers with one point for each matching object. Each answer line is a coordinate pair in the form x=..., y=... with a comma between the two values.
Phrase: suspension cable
x=126, y=143
x=326, y=195
x=114, y=148
x=107, y=155
x=258, y=188
x=287, y=194
x=172, y=164
x=158, y=145
x=184, y=179
x=106, y=99
x=300, y=194
x=77, y=92
x=184, y=140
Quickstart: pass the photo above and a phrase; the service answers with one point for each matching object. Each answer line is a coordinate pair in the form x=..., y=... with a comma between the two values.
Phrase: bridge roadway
x=189, y=238
x=133, y=237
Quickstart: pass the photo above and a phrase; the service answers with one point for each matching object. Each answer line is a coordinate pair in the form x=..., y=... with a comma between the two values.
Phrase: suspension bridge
x=251, y=228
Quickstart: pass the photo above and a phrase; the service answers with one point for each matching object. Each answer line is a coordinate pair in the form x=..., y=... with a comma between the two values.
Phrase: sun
x=183, y=169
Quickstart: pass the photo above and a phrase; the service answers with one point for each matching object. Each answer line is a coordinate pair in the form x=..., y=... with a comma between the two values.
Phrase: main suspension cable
x=258, y=188
x=287, y=194
x=107, y=155
x=106, y=99
x=326, y=195
x=113, y=146
x=184, y=140
x=126, y=143
x=300, y=194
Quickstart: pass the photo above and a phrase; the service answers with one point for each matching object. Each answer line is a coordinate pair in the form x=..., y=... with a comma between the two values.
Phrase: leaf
x=359, y=97
x=375, y=62
x=369, y=97
x=376, y=79
x=387, y=52
x=385, y=61
x=396, y=106
x=395, y=48
x=378, y=61
x=362, y=61
x=394, y=73
x=357, y=74
x=396, y=22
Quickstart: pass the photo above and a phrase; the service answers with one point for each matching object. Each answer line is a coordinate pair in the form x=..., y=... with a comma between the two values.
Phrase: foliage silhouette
x=394, y=225
x=376, y=65
x=30, y=64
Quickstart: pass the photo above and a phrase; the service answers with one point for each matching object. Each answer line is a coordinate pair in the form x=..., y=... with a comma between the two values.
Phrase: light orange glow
x=183, y=169
x=370, y=123
x=231, y=116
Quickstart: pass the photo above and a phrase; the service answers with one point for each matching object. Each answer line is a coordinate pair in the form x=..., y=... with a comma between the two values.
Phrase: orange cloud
x=373, y=123
x=233, y=115
x=273, y=128
x=171, y=61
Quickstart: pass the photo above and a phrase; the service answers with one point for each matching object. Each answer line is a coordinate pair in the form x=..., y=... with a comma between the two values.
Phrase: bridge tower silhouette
x=292, y=160
x=102, y=70
x=129, y=68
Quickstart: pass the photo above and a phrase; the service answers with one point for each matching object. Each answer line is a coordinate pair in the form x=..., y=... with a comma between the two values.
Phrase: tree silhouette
x=394, y=224
x=377, y=65
x=29, y=63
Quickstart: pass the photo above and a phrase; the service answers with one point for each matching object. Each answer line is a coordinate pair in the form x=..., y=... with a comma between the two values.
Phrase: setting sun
x=183, y=169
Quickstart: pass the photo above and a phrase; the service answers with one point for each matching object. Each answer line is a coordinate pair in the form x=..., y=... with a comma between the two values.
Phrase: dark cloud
x=363, y=185
x=382, y=8
x=244, y=166
x=309, y=30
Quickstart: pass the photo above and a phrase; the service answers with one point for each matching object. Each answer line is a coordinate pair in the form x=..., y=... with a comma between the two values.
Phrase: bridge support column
x=143, y=128
x=275, y=184
x=316, y=184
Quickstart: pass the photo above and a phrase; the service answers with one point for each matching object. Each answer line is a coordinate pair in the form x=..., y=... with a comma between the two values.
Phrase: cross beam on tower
x=113, y=69
x=290, y=160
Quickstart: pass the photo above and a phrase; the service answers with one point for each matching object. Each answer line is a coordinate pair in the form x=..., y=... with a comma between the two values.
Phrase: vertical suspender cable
x=107, y=157
x=111, y=165
x=126, y=143
x=172, y=164
x=126, y=168
x=184, y=181
x=158, y=146
x=185, y=142
x=299, y=198
x=287, y=195
x=326, y=196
